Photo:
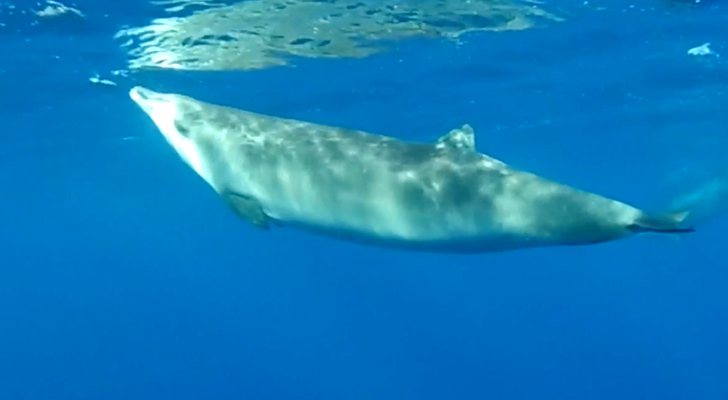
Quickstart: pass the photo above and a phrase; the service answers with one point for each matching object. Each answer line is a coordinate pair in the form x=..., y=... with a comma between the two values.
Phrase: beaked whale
x=443, y=196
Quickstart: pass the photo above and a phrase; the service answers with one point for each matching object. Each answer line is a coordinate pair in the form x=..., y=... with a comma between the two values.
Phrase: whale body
x=443, y=196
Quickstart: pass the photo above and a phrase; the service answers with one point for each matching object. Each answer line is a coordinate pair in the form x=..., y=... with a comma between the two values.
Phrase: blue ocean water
x=123, y=277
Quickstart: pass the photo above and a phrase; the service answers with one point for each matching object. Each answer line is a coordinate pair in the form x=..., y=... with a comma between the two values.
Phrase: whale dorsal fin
x=460, y=138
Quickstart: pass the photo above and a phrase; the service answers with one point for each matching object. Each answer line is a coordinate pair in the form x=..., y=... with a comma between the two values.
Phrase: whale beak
x=145, y=98
x=139, y=93
x=158, y=106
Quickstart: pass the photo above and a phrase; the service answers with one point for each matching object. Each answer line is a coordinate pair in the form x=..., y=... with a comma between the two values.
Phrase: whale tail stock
x=667, y=223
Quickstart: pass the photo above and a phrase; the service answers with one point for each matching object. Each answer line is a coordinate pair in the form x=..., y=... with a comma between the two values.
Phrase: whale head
x=180, y=121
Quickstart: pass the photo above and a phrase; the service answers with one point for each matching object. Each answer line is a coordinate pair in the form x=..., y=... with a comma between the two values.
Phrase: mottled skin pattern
x=377, y=189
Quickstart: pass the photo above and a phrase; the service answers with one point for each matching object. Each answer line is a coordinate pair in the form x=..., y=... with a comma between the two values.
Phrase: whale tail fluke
x=669, y=223
x=707, y=200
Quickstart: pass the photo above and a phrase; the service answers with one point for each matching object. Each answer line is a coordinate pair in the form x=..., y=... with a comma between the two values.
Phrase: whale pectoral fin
x=461, y=138
x=247, y=208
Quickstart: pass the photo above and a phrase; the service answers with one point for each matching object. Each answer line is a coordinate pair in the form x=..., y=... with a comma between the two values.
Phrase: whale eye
x=183, y=130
